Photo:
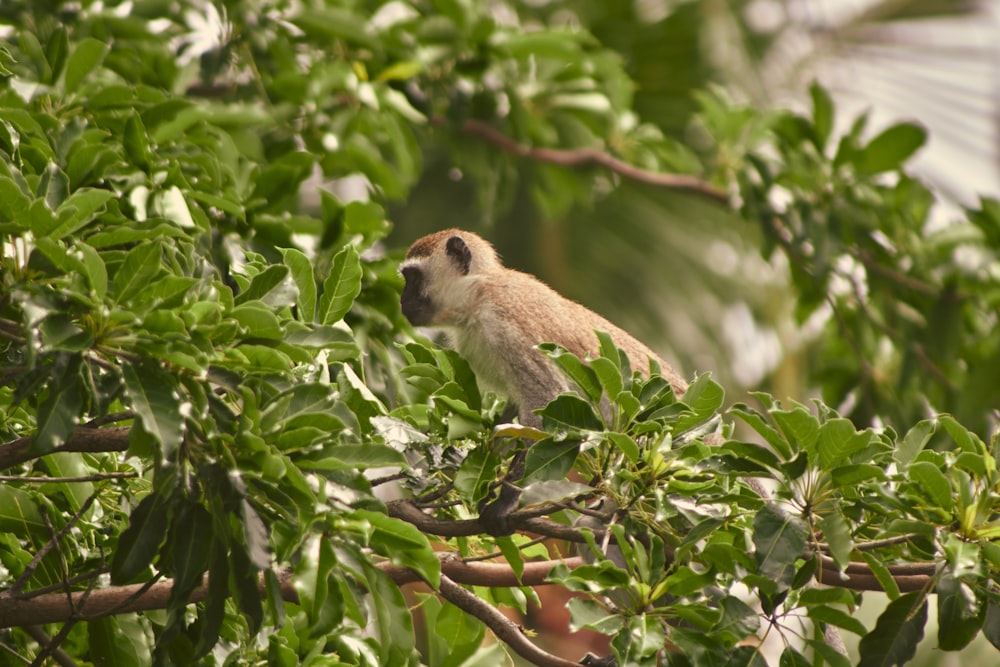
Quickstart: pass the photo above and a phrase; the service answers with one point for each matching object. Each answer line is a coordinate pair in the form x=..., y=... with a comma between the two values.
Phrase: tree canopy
x=223, y=444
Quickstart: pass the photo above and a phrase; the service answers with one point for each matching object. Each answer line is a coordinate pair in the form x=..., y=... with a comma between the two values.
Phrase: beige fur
x=495, y=317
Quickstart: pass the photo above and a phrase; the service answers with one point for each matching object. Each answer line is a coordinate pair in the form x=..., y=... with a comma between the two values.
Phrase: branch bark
x=592, y=157
x=483, y=574
x=101, y=602
x=505, y=629
x=84, y=440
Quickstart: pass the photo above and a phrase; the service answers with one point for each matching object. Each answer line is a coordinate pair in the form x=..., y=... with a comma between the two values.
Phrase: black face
x=417, y=308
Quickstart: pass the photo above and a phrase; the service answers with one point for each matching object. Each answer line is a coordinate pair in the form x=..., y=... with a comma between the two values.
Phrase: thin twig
x=29, y=571
x=499, y=554
x=506, y=630
x=97, y=477
x=875, y=544
x=110, y=418
x=91, y=575
x=59, y=655
x=378, y=481
x=592, y=157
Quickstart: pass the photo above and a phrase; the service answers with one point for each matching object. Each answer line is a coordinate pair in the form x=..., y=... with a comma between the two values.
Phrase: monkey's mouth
x=417, y=310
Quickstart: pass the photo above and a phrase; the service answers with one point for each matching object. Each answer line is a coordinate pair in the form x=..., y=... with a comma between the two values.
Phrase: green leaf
x=991, y=625
x=136, y=273
x=190, y=551
x=823, y=115
x=477, y=473
x=582, y=375
x=837, y=617
x=263, y=284
x=302, y=274
x=837, y=534
x=891, y=148
x=19, y=513
x=933, y=483
x=153, y=396
x=14, y=203
x=511, y=554
x=838, y=440
x=792, y=658
x=799, y=427
x=569, y=412
x=341, y=287
x=135, y=142
x=118, y=641
x=355, y=457
x=609, y=374
x=966, y=440
x=914, y=442
x=461, y=634
x=960, y=613
x=79, y=210
x=403, y=544
x=855, y=473
x=550, y=459
x=552, y=491
x=624, y=444
x=705, y=397
x=898, y=631
x=779, y=540
x=141, y=541
x=882, y=574
x=59, y=413
x=96, y=272
x=739, y=620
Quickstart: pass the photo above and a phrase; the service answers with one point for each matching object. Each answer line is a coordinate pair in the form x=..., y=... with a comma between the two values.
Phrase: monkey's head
x=441, y=272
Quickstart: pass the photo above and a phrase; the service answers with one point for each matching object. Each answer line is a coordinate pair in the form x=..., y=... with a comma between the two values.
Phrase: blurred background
x=681, y=273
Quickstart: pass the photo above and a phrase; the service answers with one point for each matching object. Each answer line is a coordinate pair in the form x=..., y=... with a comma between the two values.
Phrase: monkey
x=496, y=317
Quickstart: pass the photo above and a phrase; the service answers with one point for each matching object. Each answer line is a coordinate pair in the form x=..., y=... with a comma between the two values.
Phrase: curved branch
x=100, y=602
x=496, y=575
x=506, y=630
x=527, y=520
x=591, y=157
x=84, y=439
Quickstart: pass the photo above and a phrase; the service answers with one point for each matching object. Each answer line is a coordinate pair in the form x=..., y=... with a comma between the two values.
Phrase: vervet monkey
x=497, y=316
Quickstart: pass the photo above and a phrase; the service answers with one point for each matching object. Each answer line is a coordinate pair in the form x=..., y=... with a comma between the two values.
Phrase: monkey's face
x=440, y=270
x=416, y=304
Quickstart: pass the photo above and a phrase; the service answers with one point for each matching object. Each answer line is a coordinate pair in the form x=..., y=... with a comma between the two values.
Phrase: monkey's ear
x=459, y=252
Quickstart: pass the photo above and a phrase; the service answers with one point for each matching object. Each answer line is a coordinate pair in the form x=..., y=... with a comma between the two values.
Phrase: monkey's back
x=521, y=312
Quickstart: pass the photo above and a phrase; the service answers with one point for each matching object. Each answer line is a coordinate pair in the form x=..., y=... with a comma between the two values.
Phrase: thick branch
x=527, y=520
x=506, y=630
x=866, y=581
x=84, y=440
x=483, y=574
x=591, y=157
x=58, y=607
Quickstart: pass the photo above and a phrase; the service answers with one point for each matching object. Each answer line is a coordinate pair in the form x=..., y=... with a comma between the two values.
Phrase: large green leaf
x=403, y=544
x=779, y=539
x=897, y=632
x=140, y=542
x=154, y=396
x=341, y=287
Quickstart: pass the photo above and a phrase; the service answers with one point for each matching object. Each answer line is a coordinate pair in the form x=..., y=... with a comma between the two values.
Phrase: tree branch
x=506, y=630
x=83, y=440
x=474, y=573
x=592, y=157
x=57, y=608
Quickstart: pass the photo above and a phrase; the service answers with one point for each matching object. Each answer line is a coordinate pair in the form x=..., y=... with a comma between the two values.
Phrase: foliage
x=185, y=253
